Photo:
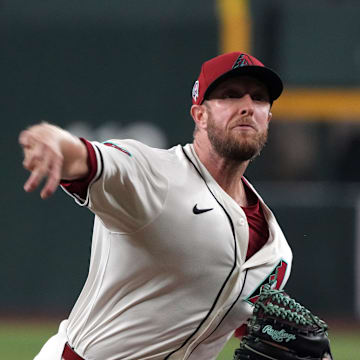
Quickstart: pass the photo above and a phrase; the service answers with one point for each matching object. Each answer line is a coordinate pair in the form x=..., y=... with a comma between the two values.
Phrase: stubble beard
x=236, y=147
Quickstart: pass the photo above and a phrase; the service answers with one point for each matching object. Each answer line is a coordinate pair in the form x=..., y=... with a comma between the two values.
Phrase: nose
x=246, y=106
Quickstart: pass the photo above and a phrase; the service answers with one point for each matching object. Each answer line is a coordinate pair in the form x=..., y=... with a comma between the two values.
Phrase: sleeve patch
x=276, y=278
x=111, y=144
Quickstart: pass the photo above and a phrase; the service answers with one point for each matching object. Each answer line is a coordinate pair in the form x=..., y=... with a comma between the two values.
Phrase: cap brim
x=267, y=76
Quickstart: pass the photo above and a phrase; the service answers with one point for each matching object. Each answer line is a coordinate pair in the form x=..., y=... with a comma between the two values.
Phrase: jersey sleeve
x=125, y=186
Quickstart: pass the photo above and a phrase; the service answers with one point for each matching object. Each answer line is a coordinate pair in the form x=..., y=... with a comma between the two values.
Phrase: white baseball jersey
x=168, y=275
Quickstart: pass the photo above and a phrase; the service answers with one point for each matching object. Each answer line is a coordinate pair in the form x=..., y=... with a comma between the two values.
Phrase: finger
x=34, y=179
x=26, y=138
x=23, y=137
x=34, y=157
x=39, y=165
x=53, y=180
x=28, y=162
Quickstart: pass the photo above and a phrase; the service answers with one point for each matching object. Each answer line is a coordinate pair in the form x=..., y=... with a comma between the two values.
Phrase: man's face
x=238, y=117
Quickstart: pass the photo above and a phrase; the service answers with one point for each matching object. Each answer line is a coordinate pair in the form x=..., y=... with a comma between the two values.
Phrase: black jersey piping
x=242, y=288
x=229, y=275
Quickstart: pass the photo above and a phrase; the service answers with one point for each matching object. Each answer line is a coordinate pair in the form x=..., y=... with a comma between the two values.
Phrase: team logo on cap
x=195, y=90
x=241, y=61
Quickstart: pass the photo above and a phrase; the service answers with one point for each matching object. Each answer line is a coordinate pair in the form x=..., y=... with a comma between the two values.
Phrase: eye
x=230, y=95
x=259, y=96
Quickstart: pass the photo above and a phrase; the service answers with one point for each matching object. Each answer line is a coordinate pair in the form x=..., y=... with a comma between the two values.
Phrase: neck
x=227, y=173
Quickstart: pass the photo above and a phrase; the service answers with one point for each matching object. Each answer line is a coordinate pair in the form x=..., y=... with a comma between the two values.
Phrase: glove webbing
x=296, y=312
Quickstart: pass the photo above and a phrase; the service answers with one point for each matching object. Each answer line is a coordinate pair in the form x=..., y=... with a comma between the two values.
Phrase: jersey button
x=241, y=222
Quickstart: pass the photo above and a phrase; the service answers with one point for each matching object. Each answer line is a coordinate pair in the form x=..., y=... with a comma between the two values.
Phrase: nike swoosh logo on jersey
x=197, y=211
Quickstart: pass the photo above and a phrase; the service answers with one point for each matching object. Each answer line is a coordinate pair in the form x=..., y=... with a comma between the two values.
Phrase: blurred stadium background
x=106, y=69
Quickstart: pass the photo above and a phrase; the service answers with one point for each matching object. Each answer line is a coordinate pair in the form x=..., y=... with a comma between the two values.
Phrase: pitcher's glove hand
x=282, y=329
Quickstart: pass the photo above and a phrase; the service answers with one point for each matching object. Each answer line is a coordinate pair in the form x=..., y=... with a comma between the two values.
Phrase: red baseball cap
x=232, y=64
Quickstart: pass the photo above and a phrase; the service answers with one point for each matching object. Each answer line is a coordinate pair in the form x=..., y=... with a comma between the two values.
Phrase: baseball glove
x=282, y=329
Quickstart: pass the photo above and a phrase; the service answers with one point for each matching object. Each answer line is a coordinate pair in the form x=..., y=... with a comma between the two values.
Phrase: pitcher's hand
x=42, y=157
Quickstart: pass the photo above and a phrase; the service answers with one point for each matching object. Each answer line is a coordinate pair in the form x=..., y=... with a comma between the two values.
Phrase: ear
x=269, y=116
x=199, y=114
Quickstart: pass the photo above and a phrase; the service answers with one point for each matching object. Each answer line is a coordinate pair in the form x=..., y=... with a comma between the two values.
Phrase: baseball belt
x=70, y=354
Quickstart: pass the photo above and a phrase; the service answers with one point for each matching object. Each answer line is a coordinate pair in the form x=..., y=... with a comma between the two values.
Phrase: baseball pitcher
x=182, y=243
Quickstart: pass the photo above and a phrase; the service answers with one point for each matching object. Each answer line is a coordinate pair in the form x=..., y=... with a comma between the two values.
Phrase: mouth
x=245, y=127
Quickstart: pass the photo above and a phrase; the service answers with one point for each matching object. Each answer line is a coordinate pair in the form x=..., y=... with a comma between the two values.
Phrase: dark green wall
x=95, y=62
x=322, y=242
x=312, y=43
x=127, y=60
